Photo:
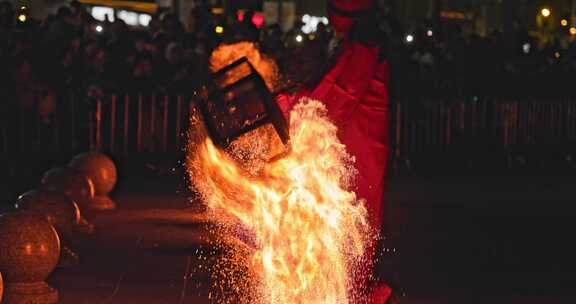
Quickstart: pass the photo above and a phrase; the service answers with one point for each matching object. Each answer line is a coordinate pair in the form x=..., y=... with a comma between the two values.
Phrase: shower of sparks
x=302, y=230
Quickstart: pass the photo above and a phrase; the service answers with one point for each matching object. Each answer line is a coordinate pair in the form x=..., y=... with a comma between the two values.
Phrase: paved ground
x=481, y=239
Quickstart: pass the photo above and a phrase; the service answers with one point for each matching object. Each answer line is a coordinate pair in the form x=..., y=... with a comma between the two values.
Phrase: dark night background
x=481, y=196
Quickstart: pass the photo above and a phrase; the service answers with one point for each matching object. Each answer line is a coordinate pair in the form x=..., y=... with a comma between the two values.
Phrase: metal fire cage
x=236, y=101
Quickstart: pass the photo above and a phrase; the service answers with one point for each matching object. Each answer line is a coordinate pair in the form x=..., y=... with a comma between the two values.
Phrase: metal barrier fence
x=476, y=127
x=123, y=124
x=422, y=128
x=139, y=124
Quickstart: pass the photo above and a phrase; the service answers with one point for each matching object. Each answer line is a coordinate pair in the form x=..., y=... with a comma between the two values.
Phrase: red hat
x=343, y=12
x=351, y=6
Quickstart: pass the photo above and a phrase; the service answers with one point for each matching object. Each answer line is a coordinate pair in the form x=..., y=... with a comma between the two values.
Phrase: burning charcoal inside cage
x=240, y=112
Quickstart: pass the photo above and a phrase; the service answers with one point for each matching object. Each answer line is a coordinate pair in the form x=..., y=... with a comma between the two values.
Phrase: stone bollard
x=61, y=211
x=102, y=171
x=29, y=251
x=71, y=182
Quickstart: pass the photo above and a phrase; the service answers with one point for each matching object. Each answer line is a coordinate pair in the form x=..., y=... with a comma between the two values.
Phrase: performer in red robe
x=355, y=91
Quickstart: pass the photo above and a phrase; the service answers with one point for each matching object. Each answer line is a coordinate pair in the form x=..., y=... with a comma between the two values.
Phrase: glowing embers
x=308, y=230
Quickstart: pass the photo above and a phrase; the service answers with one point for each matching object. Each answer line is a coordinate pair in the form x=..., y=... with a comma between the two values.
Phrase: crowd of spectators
x=512, y=61
x=70, y=50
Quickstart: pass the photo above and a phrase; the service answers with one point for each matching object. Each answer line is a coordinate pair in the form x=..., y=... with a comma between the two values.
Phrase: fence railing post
x=571, y=120
x=178, y=121
x=126, y=121
x=99, y=125
x=72, y=119
x=153, y=123
x=448, y=128
x=397, y=147
x=113, y=123
x=4, y=139
x=165, y=125
x=91, y=133
x=139, y=125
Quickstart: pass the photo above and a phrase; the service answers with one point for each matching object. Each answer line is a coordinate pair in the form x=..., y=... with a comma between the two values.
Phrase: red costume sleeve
x=355, y=92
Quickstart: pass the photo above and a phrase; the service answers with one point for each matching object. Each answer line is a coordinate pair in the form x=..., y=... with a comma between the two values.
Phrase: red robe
x=355, y=92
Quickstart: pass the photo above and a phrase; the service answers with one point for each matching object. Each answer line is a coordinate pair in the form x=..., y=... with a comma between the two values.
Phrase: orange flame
x=309, y=231
x=226, y=54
